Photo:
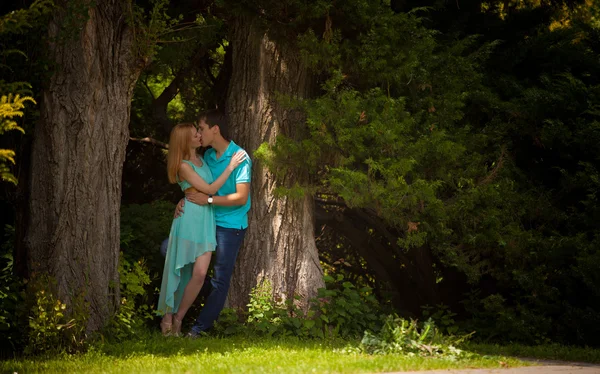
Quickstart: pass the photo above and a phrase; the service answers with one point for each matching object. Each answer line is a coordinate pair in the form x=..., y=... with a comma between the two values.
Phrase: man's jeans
x=228, y=246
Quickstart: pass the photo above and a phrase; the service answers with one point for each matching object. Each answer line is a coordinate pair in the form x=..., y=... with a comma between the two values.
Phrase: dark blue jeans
x=228, y=246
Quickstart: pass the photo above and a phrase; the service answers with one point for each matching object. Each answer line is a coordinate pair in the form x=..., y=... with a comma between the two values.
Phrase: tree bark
x=280, y=242
x=77, y=158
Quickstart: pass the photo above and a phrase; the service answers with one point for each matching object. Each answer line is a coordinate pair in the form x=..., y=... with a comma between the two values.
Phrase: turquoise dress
x=192, y=234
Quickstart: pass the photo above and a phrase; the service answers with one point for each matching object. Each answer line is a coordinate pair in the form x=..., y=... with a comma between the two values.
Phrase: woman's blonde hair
x=179, y=149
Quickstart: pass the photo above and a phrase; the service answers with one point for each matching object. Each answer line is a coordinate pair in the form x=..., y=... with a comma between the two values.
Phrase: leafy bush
x=134, y=309
x=10, y=297
x=442, y=316
x=340, y=310
x=488, y=168
x=143, y=228
x=264, y=315
x=402, y=336
x=345, y=310
x=53, y=328
x=228, y=323
x=10, y=107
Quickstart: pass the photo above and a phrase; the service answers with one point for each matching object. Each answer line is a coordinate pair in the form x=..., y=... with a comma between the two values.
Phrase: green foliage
x=443, y=317
x=21, y=20
x=133, y=278
x=188, y=54
x=532, y=229
x=517, y=324
x=52, y=327
x=150, y=25
x=143, y=228
x=134, y=309
x=409, y=337
x=10, y=107
x=10, y=295
x=370, y=145
x=340, y=311
x=11, y=104
x=228, y=323
x=478, y=151
x=264, y=315
x=345, y=310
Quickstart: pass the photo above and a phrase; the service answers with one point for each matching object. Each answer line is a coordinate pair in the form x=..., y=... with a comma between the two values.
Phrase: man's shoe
x=195, y=335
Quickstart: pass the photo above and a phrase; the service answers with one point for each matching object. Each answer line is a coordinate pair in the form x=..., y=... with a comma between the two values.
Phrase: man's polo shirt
x=234, y=217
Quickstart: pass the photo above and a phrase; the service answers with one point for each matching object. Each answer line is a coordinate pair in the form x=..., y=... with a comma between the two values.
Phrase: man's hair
x=217, y=118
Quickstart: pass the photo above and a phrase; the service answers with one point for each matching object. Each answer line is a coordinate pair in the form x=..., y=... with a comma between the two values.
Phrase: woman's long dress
x=192, y=234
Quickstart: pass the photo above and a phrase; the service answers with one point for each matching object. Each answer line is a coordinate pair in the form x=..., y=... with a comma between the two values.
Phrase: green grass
x=545, y=352
x=153, y=353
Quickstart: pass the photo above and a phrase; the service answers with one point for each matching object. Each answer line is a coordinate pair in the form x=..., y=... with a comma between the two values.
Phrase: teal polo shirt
x=233, y=217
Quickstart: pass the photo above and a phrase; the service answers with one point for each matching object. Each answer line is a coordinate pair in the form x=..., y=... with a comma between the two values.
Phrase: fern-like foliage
x=21, y=20
x=11, y=107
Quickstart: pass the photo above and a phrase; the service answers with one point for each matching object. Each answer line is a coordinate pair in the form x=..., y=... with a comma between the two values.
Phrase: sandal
x=166, y=328
x=176, y=329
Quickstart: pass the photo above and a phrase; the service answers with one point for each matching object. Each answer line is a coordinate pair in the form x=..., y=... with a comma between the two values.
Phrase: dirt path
x=541, y=367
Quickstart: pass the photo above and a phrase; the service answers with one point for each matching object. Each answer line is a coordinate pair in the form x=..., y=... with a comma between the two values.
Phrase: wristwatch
x=210, y=199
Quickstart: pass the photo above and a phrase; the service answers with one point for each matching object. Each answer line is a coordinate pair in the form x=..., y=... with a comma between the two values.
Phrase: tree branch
x=330, y=202
x=150, y=141
x=490, y=177
x=145, y=81
x=367, y=216
x=160, y=103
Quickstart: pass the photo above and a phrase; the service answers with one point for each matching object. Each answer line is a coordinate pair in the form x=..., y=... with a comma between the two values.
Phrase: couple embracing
x=213, y=217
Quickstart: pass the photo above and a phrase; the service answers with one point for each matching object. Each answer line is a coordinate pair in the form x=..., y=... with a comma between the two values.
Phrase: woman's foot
x=176, y=329
x=166, y=328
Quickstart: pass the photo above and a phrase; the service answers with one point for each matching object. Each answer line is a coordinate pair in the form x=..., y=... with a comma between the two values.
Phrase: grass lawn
x=155, y=354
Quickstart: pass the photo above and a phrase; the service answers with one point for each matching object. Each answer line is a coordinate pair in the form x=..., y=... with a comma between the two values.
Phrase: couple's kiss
x=213, y=217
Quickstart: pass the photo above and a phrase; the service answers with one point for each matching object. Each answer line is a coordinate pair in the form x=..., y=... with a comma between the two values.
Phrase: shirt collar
x=231, y=149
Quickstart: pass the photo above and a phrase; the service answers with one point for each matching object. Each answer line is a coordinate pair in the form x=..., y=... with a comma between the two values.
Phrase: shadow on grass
x=550, y=354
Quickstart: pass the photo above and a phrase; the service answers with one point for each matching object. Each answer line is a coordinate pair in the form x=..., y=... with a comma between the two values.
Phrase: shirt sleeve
x=243, y=173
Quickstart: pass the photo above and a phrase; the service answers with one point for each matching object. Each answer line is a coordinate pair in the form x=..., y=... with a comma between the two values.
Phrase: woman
x=192, y=238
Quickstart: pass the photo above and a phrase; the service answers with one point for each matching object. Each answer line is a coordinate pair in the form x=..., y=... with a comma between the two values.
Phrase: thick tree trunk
x=280, y=242
x=77, y=158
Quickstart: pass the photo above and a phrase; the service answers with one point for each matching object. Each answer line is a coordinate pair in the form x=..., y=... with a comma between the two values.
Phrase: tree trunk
x=280, y=241
x=77, y=158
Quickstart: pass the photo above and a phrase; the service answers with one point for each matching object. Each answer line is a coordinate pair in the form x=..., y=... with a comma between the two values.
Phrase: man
x=231, y=204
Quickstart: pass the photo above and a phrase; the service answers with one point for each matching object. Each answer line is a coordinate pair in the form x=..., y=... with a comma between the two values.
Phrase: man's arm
x=239, y=197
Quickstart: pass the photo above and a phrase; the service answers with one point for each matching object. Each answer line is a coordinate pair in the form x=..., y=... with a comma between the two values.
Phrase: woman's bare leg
x=168, y=318
x=194, y=285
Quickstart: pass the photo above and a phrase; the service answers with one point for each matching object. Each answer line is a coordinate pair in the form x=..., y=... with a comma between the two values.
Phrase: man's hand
x=179, y=208
x=197, y=197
